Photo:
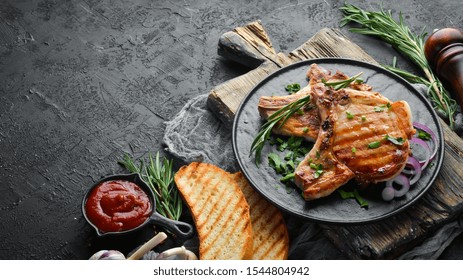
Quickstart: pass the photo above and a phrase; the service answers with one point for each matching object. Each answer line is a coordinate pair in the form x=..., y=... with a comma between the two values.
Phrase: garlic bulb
x=108, y=255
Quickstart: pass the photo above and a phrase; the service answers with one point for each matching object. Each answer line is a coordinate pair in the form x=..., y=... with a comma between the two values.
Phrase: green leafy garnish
x=293, y=88
x=318, y=169
x=354, y=150
x=337, y=85
x=286, y=165
x=397, y=141
x=374, y=145
x=349, y=115
x=423, y=135
x=287, y=177
x=277, y=118
x=364, y=118
x=159, y=176
x=382, y=25
x=383, y=107
x=354, y=194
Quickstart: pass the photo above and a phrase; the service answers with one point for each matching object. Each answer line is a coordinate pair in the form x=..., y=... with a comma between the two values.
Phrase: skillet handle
x=181, y=229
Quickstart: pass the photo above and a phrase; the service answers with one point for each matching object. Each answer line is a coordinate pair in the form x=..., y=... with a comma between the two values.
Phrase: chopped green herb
x=364, y=118
x=305, y=129
x=318, y=169
x=274, y=161
x=349, y=115
x=288, y=177
x=354, y=150
x=354, y=194
x=383, y=107
x=278, y=118
x=292, y=88
x=374, y=145
x=423, y=135
x=397, y=141
x=317, y=154
x=289, y=155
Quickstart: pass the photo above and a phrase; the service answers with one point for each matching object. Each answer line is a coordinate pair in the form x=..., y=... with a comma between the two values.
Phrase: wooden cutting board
x=251, y=46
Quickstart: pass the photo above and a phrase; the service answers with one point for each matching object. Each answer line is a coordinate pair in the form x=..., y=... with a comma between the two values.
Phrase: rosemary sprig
x=382, y=25
x=159, y=176
x=337, y=85
x=279, y=117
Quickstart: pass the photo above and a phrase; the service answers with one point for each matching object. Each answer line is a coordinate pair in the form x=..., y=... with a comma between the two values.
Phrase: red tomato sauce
x=117, y=205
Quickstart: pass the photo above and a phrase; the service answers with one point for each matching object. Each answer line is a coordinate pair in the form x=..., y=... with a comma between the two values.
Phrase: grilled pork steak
x=361, y=134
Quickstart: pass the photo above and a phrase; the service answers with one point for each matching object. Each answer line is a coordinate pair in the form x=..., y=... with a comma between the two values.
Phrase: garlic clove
x=107, y=255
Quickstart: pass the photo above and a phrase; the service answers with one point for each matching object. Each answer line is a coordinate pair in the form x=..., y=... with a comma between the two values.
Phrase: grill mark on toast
x=217, y=214
x=241, y=225
x=266, y=251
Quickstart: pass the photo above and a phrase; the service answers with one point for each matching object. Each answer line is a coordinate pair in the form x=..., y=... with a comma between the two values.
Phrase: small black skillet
x=178, y=228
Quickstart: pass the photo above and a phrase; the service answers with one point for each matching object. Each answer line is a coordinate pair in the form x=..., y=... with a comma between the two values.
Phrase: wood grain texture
x=250, y=46
x=385, y=239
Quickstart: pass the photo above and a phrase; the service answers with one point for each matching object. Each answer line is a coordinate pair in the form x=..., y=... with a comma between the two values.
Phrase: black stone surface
x=83, y=82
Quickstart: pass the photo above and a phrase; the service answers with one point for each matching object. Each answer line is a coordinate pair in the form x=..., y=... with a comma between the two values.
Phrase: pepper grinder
x=444, y=52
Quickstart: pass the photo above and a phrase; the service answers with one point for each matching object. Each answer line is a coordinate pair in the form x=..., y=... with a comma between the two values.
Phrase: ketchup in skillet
x=117, y=205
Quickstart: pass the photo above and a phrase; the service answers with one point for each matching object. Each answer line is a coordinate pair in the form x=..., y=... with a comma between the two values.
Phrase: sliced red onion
x=433, y=137
x=413, y=168
x=388, y=193
x=402, y=181
x=427, y=150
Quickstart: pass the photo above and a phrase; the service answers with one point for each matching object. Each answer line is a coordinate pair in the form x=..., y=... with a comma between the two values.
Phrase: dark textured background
x=83, y=82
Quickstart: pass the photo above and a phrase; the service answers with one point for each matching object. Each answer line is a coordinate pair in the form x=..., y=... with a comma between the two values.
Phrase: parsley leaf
x=292, y=88
x=423, y=135
x=374, y=145
x=398, y=141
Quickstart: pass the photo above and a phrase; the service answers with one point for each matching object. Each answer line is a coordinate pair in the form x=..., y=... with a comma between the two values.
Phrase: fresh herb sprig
x=159, y=176
x=337, y=85
x=278, y=118
x=382, y=25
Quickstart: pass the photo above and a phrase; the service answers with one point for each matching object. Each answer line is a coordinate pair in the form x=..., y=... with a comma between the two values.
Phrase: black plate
x=331, y=209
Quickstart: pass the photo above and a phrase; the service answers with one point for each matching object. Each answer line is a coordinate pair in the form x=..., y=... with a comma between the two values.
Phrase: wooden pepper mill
x=444, y=52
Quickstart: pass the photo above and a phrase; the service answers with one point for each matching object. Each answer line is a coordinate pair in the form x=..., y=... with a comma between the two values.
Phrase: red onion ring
x=426, y=148
x=414, y=169
x=388, y=193
x=433, y=137
x=402, y=181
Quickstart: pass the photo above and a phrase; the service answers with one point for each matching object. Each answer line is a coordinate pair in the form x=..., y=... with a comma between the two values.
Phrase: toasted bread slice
x=270, y=235
x=219, y=210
